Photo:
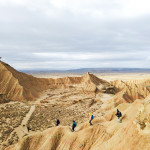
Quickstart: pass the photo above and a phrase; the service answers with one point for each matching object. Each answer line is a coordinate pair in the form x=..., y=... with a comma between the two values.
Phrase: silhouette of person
x=57, y=122
x=28, y=128
x=74, y=125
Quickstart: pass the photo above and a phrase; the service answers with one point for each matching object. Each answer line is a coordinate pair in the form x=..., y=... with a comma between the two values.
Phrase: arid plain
x=37, y=100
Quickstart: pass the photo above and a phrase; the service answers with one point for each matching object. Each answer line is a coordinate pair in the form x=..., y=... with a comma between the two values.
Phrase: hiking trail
x=22, y=129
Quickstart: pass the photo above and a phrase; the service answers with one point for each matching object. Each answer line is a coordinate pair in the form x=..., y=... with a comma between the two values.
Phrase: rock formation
x=70, y=98
x=19, y=86
x=134, y=89
x=133, y=133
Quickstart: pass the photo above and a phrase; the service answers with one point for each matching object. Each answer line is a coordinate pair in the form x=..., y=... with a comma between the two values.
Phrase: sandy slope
x=108, y=135
x=15, y=85
x=72, y=98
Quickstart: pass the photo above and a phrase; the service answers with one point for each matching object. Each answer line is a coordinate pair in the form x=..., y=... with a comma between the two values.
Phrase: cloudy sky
x=69, y=34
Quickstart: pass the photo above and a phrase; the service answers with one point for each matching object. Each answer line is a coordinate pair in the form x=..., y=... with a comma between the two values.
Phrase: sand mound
x=108, y=135
x=86, y=83
x=15, y=85
x=19, y=86
x=132, y=90
x=65, y=97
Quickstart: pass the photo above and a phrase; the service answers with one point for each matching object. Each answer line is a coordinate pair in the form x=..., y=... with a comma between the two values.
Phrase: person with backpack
x=91, y=118
x=57, y=122
x=74, y=125
x=118, y=114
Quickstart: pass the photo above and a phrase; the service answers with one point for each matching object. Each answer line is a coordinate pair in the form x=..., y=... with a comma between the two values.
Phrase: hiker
x=28, y=128
x=57, y=122
x=118, y=114
x=74, y=125
x=91, y=118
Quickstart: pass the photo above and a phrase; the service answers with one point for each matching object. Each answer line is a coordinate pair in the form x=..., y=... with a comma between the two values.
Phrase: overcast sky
x=69, y=34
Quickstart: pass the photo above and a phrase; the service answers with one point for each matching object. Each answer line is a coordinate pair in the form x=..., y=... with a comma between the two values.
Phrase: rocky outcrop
x=133, y=89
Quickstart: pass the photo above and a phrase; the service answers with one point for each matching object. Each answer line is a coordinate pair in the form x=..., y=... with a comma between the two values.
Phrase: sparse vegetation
x=11, y=115
x=45, y=116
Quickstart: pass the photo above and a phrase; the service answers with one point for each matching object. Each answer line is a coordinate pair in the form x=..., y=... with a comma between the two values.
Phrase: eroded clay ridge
x=19, y=86
x=15, y=85
x=133, y=89
x=132, y=133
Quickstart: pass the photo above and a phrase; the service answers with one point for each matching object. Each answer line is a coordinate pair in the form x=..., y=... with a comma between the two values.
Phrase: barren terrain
x=73, y=98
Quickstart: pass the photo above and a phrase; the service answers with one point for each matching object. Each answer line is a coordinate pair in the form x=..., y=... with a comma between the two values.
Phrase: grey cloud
x=25, y=30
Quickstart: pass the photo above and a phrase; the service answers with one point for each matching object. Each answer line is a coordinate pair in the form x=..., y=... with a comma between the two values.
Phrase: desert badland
x=37, y=102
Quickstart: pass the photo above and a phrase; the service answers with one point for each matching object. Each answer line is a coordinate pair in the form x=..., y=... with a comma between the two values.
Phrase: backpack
x=92, y=117
x=75, y=124
x=120, y=114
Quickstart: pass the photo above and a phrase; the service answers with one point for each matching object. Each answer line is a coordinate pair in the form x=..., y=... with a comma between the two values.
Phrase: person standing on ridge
x=74, y=125
x=118, y=114
x=28, y=128
x=91, y=118
x=57, y=122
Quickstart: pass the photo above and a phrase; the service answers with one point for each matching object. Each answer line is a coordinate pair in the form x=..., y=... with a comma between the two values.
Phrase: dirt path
x=22, y=129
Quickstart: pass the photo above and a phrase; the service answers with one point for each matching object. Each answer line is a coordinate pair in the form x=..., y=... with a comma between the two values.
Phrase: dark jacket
x=118, y=114
x=57, y=122
x=74, y=124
